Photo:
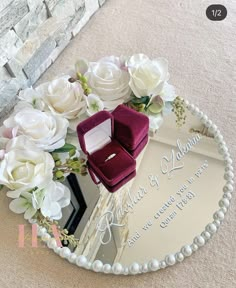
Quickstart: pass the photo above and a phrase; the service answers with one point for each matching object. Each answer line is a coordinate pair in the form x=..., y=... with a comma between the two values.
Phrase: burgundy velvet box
x=131, y=129
x=107, y=161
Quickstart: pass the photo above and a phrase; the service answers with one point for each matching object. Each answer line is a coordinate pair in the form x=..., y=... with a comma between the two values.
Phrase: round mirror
x=173, y=205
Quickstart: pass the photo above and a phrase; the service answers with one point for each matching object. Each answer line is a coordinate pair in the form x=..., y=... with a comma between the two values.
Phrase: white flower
x=56, y=197
x=94, y=104
x=63, y=97
x=147, y=77
x=155, y=121
x=109, y=81
x=23, y=204
x=50, y=200
x=30, y=98
x=25, y=167
x=47, y=131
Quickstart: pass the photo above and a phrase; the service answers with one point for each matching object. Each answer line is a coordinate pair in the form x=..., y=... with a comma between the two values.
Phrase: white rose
x=147, y=77
x=47, y=131
x=56, y=197
x=109, y=81
x=25, y=166
x=63, y=97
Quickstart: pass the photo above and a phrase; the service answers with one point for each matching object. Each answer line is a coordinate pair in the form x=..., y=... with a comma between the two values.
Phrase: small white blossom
x=94, y=104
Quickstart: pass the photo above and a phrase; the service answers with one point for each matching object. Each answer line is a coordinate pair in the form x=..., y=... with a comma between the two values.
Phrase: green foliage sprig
x=63, y=233
x=72, y=164
x=179, y=110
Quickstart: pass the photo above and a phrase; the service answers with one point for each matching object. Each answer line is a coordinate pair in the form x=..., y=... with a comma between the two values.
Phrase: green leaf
x=142, y=100
x=66, y=148
x=1, y=186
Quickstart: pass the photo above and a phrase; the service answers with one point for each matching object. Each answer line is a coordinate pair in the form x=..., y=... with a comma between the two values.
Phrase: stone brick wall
x=32, y=35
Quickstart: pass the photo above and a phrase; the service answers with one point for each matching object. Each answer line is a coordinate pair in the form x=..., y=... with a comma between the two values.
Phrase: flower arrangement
x=37, y=141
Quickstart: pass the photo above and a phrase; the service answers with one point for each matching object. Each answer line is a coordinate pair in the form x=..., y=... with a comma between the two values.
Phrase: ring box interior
x=130, y=129
x=107, y=159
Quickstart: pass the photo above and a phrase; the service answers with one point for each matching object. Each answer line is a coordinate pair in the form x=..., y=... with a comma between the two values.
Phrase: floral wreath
x=38, y=147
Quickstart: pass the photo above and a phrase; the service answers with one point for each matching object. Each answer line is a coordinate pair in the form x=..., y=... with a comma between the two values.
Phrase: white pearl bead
x=179, y=257
x=208, y=123
x=162, y=264
x=200, y=115
x=194, y=247
x=154, y=265
x=224, y=203
x=223, y=151
x=219, y=215
x=211, y=228
x=229, y=168
x=72, y=258
x=219, y=138
x=228, y=195
x=223, y=209
x=199, y=240
x=170, y=259
x=206, y=235
x=45, y=237
x=213, y=128
x=186, y=250
x=226, y=155
x=186, y=103
x=217, y=223
x=204, y=119
x=81, y=261
x=134, y=268
x=230, y=182
x=52, y=243
x=117, y=268
x=57, y=250
x=195, y=111
x=229, y=175
x=221, y=145
x=145, y=268
x=97, y=265
x=41, y=231
x=107, y=268
x=228, y=161
x=191, y=107
x=65, y=252
x=228, y=188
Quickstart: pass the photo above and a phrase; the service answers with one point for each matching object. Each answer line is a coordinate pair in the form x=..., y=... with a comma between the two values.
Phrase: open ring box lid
x=130, y=129
x=107, y=159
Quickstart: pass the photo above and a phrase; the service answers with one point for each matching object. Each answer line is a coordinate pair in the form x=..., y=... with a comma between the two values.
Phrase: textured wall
x=32, y=35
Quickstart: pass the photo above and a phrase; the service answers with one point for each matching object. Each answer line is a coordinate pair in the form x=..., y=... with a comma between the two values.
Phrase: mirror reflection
x=178, y=183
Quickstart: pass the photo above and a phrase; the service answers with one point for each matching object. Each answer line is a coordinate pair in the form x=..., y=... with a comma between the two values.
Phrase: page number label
x=216, y=12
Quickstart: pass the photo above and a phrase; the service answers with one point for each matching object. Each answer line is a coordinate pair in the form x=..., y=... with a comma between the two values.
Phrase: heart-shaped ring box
x=107, y=160
x=131, y=129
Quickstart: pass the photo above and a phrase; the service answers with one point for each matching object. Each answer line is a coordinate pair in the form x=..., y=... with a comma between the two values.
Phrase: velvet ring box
x=107, y=160
x=131, y=129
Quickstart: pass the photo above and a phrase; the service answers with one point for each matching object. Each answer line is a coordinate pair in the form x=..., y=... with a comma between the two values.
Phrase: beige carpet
x=202, y=64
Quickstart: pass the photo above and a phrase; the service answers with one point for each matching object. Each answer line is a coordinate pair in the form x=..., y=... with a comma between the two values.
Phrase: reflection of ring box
x=107, y=159
x=131, y=129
